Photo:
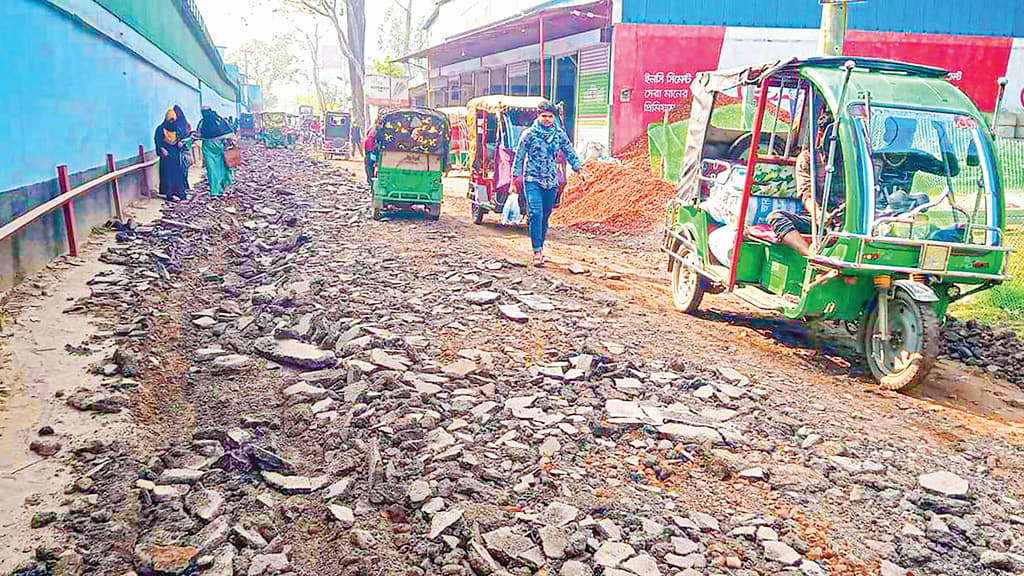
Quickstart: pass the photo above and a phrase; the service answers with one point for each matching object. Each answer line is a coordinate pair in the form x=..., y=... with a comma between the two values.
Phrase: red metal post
x=69, y=209
x=755, y=143
x=143, y=176
x=115, y=189
x=540, y=18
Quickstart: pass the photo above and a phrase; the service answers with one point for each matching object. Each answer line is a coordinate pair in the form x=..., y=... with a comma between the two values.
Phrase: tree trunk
x=355, y=18
x=407, y=39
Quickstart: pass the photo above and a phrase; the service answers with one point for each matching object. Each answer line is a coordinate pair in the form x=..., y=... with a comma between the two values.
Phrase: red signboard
x=653, y=68
x=974, y=62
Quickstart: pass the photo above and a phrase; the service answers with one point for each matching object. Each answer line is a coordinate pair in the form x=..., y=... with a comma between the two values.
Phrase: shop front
x=559, y=50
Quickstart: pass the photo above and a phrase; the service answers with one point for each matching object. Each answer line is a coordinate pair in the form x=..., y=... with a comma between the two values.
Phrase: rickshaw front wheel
x=905, y=360
x=687, y=285
x=478, y=213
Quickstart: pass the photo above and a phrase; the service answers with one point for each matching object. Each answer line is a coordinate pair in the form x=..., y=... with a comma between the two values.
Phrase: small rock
x=611, y=554
x=363, y=539
x=268, y=564
x=248, y=538
x=46, y=431
x=642, y=564
x=339, y=489
x=41, y=519
x=482, y=297
x=781, y=553
x=1002, y=561
x=343, y=514
x=513, y=312
x=442, y=520
x=419, y=491
x=294, y=484
x=45, y=448
x=558, y=514
x=295, y=353
x=945, y=483
x=890, y=569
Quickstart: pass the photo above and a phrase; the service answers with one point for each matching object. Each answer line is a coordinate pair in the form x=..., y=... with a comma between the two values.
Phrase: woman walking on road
x=215, y=133
x=169, y=147
x=185, y=137
x=536, y=164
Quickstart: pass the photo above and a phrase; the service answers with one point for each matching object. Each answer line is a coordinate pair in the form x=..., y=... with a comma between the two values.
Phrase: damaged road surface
x=319, y=393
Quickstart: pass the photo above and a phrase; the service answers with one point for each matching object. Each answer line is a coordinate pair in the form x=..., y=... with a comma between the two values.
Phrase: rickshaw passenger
x=789, y=227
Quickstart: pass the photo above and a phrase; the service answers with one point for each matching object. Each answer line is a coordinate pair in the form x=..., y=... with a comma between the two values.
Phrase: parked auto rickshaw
x=338, y=134
x=908, y=208
x=460, y=144
x=291, y=130
x=246, y=125
x=413, y=146
x=495, y=125
x=274, y=126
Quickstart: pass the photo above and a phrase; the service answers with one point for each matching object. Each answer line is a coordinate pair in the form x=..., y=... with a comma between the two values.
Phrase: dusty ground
x=408, y=276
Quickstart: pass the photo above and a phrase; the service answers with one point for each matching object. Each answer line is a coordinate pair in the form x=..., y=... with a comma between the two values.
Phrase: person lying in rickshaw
x=789, y=227
x=898, y=161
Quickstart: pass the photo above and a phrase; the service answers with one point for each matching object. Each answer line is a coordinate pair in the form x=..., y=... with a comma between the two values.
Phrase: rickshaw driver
x=898, y=161
x=789, y=227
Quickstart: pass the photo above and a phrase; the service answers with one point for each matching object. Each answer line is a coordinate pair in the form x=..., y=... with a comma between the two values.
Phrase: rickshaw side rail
x=67, y=196
x=841, y=264
x=920, y=243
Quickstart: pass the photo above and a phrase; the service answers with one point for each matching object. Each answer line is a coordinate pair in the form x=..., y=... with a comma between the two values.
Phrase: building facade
x=620, y=65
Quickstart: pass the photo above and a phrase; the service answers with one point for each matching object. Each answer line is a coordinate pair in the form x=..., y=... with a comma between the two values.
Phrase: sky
x=232, y=23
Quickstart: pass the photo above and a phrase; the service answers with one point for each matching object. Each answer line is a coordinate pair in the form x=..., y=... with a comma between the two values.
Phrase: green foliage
x=268, y=64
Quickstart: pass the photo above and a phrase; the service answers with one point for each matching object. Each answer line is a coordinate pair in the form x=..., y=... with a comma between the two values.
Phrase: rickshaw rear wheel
x=913, y=343
x=478, y=214
x=433, y=212
x=687, y=285
x=378, y=208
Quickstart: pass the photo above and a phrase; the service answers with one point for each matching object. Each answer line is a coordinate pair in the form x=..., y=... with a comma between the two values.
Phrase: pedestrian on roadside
x=168, y=143
x=216, y=134
x=358, y=146
x=536, y=165
x=370, y=155
x=185, y=137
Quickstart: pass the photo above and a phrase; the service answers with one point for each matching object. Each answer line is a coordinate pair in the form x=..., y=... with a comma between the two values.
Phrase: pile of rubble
x=365, y=410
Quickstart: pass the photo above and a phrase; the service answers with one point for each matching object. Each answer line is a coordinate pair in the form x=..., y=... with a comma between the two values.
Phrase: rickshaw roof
x=453, y=111
x=498, y=103
x=432, y=112
x=887, y=81
x=338, y=113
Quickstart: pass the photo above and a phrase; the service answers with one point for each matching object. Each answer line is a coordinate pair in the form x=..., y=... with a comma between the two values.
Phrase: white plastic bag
x=510, y=212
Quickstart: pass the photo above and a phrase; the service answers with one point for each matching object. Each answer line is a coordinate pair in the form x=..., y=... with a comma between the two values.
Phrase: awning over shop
x=561, y=18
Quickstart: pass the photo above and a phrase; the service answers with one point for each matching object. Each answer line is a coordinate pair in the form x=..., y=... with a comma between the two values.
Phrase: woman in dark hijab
x=169, y=148
x=215, y=133
x=184, y=135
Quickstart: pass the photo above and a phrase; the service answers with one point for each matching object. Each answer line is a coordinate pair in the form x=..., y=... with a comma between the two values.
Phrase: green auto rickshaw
x=857, y=190
x=275, y=125
x=412, y=144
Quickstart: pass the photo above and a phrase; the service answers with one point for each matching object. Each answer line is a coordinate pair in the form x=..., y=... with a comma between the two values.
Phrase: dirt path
x=321, y=393
x=634, y=269
x=41, y=374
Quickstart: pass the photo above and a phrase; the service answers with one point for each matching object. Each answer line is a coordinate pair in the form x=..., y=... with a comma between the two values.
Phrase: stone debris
x=379, y=403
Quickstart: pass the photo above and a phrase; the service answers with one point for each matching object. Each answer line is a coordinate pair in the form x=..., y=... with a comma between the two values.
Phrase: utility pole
x=833, y=27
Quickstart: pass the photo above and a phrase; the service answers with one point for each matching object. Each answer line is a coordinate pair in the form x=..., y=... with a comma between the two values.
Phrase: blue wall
x=968, y=17
x=70, y=95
